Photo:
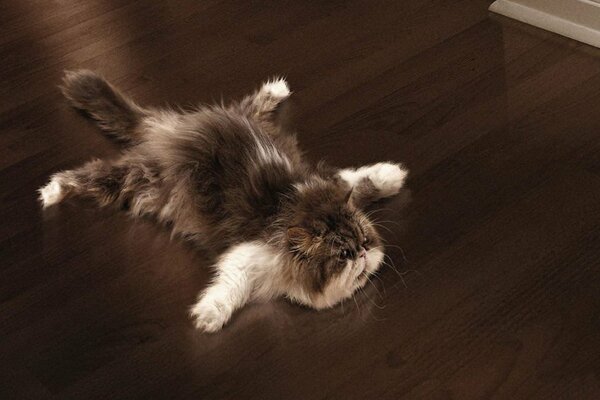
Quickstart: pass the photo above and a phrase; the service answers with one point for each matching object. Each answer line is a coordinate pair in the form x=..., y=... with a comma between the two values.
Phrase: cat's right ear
x=299, y=236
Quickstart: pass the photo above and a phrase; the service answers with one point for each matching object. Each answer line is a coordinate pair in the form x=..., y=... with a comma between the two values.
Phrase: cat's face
x=335, y=248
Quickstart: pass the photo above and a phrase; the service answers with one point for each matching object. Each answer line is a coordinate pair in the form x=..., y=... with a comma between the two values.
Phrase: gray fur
x=223, y=175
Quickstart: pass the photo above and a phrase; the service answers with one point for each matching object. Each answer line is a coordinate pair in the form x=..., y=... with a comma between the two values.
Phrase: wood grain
x=493, y=285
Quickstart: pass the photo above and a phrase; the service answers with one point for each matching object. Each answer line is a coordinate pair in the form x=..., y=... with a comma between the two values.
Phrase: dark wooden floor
x=496, y=239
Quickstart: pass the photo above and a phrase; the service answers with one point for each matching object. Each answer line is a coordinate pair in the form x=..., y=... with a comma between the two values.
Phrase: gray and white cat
x=232, y=178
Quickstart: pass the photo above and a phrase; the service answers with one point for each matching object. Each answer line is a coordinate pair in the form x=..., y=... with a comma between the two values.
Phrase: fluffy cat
x=232, y=178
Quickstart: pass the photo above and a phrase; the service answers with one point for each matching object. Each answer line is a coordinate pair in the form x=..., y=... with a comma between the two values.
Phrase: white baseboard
x=576, y=19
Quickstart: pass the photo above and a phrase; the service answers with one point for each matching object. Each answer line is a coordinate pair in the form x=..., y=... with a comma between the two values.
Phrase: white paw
x=52, y=193
x=208, y=316
x=277, y=88
x=387, y=177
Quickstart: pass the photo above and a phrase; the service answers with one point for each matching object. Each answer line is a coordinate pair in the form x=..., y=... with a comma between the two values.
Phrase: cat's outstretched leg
x=107, y=183
x=242, y=274
x=95, y=178
x=373, y=182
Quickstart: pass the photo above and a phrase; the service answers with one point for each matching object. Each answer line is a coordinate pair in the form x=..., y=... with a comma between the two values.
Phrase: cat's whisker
x=383, y=227
x=362, y=315
x=393, y=246
x=371, y=300
x=376, y=210
x=355, y=302
x=389, y=222
x=384, y=209
x=393, y=267
x=371, y=282
x=375, y=304
x=376, y=275
x=370, y=213
x=401, y=251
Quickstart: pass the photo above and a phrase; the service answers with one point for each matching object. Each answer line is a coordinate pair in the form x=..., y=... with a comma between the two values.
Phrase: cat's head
x=333, y=245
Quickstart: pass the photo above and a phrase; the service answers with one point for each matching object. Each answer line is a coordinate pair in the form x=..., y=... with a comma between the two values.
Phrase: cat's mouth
x=360, y=272
x=362, y=266
x=368, y=266
x=362, y=278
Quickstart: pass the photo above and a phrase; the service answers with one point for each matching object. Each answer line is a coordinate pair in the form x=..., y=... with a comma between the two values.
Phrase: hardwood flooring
x=495, y=242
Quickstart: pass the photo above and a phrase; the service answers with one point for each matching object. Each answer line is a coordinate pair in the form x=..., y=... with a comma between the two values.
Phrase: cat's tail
x=116, y=115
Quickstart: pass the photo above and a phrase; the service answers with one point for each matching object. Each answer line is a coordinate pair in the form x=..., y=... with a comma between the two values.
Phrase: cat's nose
x=362, y=253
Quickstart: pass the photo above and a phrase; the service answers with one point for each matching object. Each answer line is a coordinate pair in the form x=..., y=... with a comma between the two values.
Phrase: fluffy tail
x=114, y=113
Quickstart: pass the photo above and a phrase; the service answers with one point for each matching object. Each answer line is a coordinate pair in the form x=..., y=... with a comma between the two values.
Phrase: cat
x=233, y=179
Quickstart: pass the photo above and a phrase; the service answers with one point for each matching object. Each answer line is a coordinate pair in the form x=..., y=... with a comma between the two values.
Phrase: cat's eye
x=344, y=254
x=366, y=242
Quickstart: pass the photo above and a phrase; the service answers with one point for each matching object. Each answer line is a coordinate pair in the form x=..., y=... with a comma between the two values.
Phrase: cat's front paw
x=388, y=178
x=52, y=193
x=208, y=316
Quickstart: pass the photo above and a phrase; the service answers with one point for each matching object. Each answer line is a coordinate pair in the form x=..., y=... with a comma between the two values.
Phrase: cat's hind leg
x=95, y=179
x=119, y=183
x=373, y=182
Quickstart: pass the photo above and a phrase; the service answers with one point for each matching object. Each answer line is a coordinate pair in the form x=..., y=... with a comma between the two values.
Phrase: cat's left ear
x=348, y=195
